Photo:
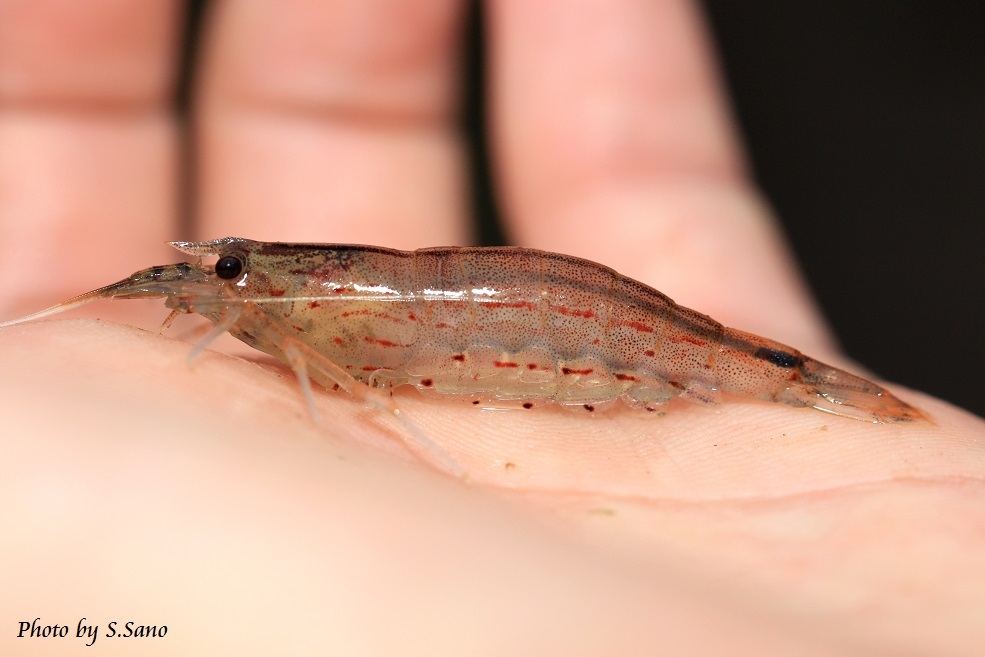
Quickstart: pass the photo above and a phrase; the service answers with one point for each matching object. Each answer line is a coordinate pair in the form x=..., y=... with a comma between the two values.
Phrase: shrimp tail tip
x=835, y=391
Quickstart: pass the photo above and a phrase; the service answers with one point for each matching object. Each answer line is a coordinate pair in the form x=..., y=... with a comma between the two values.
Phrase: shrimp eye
x=228, y=267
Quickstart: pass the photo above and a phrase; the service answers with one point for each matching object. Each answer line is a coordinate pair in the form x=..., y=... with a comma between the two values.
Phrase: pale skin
x=134, y=487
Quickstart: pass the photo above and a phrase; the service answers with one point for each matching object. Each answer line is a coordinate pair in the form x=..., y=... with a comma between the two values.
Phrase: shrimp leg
x=299, y=366
x=229, y=319
x=420, y=443
x=300, y=357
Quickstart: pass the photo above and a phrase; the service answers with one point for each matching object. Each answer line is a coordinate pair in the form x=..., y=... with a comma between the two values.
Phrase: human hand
x=203, y=499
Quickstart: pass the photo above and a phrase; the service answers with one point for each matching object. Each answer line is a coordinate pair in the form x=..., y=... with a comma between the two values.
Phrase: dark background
x=863, y=123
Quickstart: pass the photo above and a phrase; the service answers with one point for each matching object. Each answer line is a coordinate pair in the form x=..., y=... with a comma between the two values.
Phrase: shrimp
x=506, y=323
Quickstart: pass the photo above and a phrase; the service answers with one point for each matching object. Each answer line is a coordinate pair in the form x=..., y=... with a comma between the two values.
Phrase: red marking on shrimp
x=650, y=353
x=277, y=293
x=459, y=357
x=568, y=370
x=625, y=377
x=630, y=323
x=676, y=384
x=692, y=340
x=500, y=363
x=338, y=340
x=381, y=342
x=531, y=366
x=364, y=311
x=371, y=368
x=297, y=328
x=527, y=305
x=427, y=383
x=440, y=325
x=574, y=312
x=412, y=317
x=313, y=304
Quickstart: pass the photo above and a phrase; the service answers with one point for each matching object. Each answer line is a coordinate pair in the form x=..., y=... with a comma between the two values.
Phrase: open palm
x=135, y=487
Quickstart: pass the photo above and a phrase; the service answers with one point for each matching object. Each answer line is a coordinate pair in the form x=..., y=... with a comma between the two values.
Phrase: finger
x=615, y=143
x=331, y=122
x=87, y=158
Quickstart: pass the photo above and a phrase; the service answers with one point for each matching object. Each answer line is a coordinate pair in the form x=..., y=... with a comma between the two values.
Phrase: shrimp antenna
x=74, y=302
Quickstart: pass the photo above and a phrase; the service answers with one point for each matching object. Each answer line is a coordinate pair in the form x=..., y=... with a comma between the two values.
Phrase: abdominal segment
x=535, y=375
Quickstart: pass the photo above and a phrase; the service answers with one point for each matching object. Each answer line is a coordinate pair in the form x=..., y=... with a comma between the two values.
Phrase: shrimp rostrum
x=504, y=323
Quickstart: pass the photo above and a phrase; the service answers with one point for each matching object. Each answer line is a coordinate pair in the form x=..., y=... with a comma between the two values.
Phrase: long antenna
x=74, y=302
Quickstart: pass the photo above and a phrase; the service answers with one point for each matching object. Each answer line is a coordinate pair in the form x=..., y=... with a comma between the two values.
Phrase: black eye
x=228, y=267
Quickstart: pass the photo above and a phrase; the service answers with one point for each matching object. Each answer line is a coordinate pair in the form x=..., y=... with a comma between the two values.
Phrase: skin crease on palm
x=134, y=487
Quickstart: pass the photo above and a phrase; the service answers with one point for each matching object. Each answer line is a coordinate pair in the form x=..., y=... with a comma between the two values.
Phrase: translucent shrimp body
x=504, y=323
